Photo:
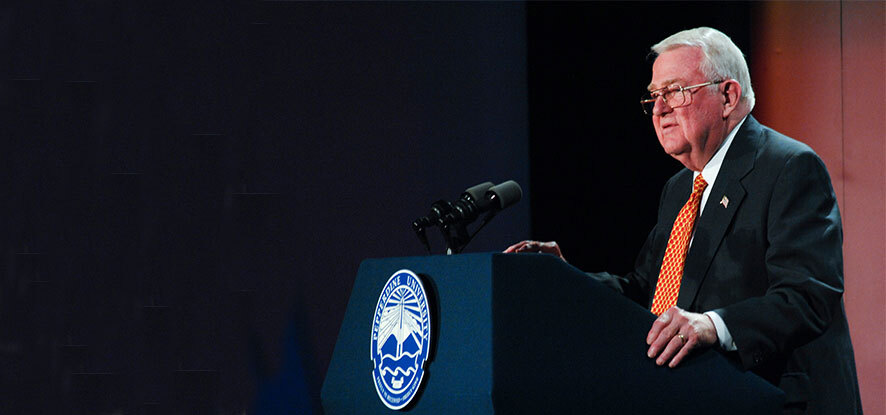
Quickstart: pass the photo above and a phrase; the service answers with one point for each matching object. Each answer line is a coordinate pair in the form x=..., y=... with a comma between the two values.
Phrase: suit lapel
x=718, y=213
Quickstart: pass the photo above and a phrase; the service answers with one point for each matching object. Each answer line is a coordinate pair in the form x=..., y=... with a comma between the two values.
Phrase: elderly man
x=746, y=255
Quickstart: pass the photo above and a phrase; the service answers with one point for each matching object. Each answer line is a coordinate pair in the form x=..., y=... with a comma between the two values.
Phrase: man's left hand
x=676, y=333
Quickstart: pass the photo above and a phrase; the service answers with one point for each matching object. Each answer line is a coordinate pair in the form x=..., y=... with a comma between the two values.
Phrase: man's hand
x=676, y=333
x=535, y=246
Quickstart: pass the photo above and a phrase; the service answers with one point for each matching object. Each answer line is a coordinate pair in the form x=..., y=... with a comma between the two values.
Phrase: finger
x=530, y=246
x=660, y=323
x=549, y=248
x=554, y=249
x=674, y=345
x=513, y=248
x=516, y=247
x=684, y=351
x=666, y=327
x=662, y=341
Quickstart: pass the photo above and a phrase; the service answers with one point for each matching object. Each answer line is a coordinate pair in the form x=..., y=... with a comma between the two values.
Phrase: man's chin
x=674, y=145
x=684, y=159
x=677, y=153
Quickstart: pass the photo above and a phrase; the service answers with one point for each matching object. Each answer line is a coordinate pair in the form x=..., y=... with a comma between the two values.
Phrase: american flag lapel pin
x=725, y=202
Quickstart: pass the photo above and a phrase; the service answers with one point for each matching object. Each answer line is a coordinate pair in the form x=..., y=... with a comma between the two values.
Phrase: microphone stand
x=453, y=218
x=456, y=237
x=420, y=232
x=457, y=243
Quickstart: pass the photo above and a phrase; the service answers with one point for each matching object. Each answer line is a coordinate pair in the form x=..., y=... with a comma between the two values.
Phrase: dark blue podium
x=528, y=333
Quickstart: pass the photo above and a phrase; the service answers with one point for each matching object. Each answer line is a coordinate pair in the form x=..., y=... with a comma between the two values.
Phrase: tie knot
x=699, y=185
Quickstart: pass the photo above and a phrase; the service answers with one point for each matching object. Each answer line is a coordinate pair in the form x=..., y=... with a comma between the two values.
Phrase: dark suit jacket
x=770, y=263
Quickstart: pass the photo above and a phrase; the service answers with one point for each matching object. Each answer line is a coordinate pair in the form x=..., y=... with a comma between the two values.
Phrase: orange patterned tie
x=668, y=286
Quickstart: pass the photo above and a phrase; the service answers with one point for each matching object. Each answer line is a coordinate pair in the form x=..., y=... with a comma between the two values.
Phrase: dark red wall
x=818, y=72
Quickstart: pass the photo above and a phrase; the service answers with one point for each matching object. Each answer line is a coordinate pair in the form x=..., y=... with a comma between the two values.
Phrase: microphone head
x=504, y=194
x=478, y=192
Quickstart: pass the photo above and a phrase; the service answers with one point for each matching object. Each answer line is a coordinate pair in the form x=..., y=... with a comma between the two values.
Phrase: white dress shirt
x=709, y=172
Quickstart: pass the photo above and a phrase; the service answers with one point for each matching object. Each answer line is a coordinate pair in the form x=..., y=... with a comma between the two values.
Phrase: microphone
x=477, y=192
x=453, y=218
x=471, y=203
x=495, y=198
x=505, y=194
x=441, y=208
x=438, y=209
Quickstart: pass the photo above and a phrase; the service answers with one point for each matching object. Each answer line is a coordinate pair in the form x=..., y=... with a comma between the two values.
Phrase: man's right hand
x=550, y=247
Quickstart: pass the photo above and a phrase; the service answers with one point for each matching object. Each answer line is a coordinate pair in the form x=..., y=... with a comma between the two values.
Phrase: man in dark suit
x=746, y=255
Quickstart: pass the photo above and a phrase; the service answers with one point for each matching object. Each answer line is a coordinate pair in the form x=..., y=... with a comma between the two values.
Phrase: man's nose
x=661, y=107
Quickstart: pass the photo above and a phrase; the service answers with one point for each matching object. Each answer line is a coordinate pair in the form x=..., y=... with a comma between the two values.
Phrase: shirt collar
x=712, y=168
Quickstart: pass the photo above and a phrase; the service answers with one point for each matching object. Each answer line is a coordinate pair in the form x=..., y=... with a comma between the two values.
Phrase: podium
x=528, y=333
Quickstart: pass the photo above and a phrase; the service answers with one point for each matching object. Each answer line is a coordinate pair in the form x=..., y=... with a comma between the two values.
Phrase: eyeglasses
x=673, y=95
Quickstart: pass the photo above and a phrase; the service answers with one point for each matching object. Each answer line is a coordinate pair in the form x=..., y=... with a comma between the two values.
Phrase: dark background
x=597, y=168
x=190, y=188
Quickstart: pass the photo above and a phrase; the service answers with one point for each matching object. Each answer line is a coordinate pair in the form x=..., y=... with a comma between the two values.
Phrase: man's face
x=690, y=133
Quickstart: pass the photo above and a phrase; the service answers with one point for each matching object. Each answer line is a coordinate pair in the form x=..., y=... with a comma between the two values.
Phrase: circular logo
x=401, y=336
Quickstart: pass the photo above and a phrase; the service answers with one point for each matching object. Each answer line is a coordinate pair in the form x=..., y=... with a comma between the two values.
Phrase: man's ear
x=731, y=91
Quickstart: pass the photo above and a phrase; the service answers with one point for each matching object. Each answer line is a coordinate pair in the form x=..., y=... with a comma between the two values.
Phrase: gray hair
x=722, y=59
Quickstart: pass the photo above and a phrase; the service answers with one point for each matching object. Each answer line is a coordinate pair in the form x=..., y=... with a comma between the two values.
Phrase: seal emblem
x=401, y=336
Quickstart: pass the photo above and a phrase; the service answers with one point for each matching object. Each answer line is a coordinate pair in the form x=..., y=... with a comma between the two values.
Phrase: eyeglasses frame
x=681, y=90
